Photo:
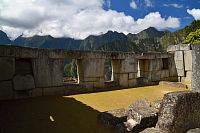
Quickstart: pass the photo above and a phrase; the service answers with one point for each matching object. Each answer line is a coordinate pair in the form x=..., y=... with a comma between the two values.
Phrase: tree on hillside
x=193, y=38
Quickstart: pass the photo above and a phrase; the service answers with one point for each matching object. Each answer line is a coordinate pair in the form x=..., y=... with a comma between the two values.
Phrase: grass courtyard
x=70, y=114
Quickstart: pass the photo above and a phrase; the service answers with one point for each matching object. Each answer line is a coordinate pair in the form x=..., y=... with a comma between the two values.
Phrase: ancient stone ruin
x=28, y=72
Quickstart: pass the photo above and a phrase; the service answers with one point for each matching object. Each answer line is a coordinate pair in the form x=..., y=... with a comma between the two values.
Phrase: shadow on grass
x=33, y=116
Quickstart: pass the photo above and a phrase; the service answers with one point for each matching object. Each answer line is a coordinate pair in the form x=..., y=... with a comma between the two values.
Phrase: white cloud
x=174, y=5
x=148, y=3
x=71, y=18
x=133, y=4
x=195, y=13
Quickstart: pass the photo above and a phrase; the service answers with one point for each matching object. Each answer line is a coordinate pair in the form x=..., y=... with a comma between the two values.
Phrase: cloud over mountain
x=72, y=18
x=195, y=13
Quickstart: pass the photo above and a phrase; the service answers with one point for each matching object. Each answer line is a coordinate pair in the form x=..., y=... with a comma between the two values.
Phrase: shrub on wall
x=193, y=38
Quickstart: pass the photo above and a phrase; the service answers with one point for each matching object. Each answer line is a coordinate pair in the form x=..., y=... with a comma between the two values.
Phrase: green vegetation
x=178, y=36
x=70, y=69
x=193, y=38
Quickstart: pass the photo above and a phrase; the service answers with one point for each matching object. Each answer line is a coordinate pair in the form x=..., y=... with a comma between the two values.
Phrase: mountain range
x=148, y=40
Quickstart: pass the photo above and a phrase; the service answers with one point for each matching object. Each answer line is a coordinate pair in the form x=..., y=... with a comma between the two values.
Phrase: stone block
x=93, y=67
x=164, y=74
x=178, y=55
x=179, y=64
x=123, y=80
x=6, y=90
x=179, y=112
x=184, y=47
x=91, y=79
x=22, y=94
x=100, y=83
x=155, y=75
x=144, y=115
x=188, y=60
x=7, y=68
x=172, y=68
x=196, y=68
x=171, y=48
x=113, y=117
x=48, y=91
x=57, y=72
x=188, y=77
x=22, y=52
x=181, y=72
x=132, y=75
x=132, y=83
x=145, y=75
x=42, y=71
x=129, y=65
x=37, y=92
x=23, y=82
x=151, y=65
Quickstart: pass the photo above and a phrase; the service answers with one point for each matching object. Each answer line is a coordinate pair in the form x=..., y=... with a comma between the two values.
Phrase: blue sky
x=81, y=18
x=174, y=8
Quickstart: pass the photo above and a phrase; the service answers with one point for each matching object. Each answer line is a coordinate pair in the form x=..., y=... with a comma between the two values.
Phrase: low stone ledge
x=173, y=84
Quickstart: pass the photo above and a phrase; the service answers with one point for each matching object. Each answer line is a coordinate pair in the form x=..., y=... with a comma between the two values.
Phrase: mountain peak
x=4, y=38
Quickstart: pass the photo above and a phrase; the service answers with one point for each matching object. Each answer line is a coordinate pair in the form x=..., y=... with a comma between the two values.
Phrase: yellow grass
x=104, y=101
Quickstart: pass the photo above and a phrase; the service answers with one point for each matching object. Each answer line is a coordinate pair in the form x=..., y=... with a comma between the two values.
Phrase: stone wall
x=27, y=72
x=183, y=61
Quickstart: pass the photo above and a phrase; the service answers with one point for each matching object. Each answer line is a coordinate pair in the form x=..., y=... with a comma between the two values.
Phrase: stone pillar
x=91, y=72
x=196, y=68
x=47, y=72
x=125, y=72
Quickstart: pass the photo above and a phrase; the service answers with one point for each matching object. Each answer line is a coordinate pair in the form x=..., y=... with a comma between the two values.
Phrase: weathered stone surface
x=90, y=69
x=42, y=71
x=196, y=68
x=179, y=112
x=57, y=72
x=132, y=76
x=171, y=48
x=179, y=64
x=188, y=77
x=181, y=72
x=6, y=90
x=37, y=92
x=178, y=55
x=188, y=60
x=164, y=74
x=150, y=65
x=172, y=68
x=173, y=84
x=196, y=130
x=141, y=115
x=123, y=80
x=113, y=117
x=145, y=117
x=129, y=65
x=7, y=68
x=132, y=82
x=23, y=82
x=152, y=130
x=155, y=75
x=22, y=94
x=184, y=47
